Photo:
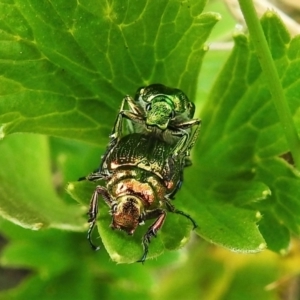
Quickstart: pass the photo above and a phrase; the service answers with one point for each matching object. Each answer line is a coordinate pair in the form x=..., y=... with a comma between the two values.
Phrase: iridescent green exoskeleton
x=163, y=112
x=140, y=177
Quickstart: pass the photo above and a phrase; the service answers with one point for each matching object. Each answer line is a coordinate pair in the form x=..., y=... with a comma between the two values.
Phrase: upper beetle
x=165, y=107
x=161, y=111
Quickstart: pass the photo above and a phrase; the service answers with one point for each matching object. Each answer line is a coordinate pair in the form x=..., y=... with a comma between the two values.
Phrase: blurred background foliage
x=53, y=264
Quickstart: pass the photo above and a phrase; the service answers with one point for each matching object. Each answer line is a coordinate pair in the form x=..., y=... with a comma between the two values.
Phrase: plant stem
x=272, y=77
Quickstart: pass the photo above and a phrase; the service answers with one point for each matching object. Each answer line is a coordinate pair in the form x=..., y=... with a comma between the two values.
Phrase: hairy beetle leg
x=94, y=247
x=93, y=211
x=172, y=209
x=133, y=115
x=152, y=230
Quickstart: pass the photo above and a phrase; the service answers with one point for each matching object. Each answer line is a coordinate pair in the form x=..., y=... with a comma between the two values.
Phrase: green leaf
x=68, y=83
x=284, y=202
x=219, y=219
x=277, y=236
x=242, y=137
x=128, y=249
x=75, y=71
x=27, y=197
x=74, y=62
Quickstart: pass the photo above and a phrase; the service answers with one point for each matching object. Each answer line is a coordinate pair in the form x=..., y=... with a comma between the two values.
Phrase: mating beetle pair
x=142, y=171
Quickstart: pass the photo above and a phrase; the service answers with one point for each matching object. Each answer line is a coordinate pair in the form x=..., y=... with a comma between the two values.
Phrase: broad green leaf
x=276, y=235
x=219, y=219
x=75, y=81
x=128, y=249
x=236, y=188
x=284, y=181
x=73, y=63
x=27, y=197
x=243, y=138
x=72, y=160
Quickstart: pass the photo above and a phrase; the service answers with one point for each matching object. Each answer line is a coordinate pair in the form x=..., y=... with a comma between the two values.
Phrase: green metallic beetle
x=142, y=171
x=140, y=177
x=163, y=112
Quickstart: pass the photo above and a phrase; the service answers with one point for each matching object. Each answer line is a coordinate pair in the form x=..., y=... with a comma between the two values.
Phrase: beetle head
x=126, y=213
x=159, y=112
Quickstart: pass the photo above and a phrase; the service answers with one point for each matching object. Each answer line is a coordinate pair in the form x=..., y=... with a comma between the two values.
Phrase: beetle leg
x=133, y=115
x=193, y=138
x=178, y=185
x=117, y=128
x=160, y=214
x=133, y=107
x=188, y=124
x=92, y=177
x=93, y=211
x=181, y=144
x=187, y=141
x=172, y=209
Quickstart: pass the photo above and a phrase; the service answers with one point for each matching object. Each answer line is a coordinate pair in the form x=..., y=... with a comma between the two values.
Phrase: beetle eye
x=141, y=219
x=148, y=107
x=114, y=208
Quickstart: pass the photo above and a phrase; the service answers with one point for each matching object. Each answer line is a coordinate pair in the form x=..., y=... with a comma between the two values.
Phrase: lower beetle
x=141, y=175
